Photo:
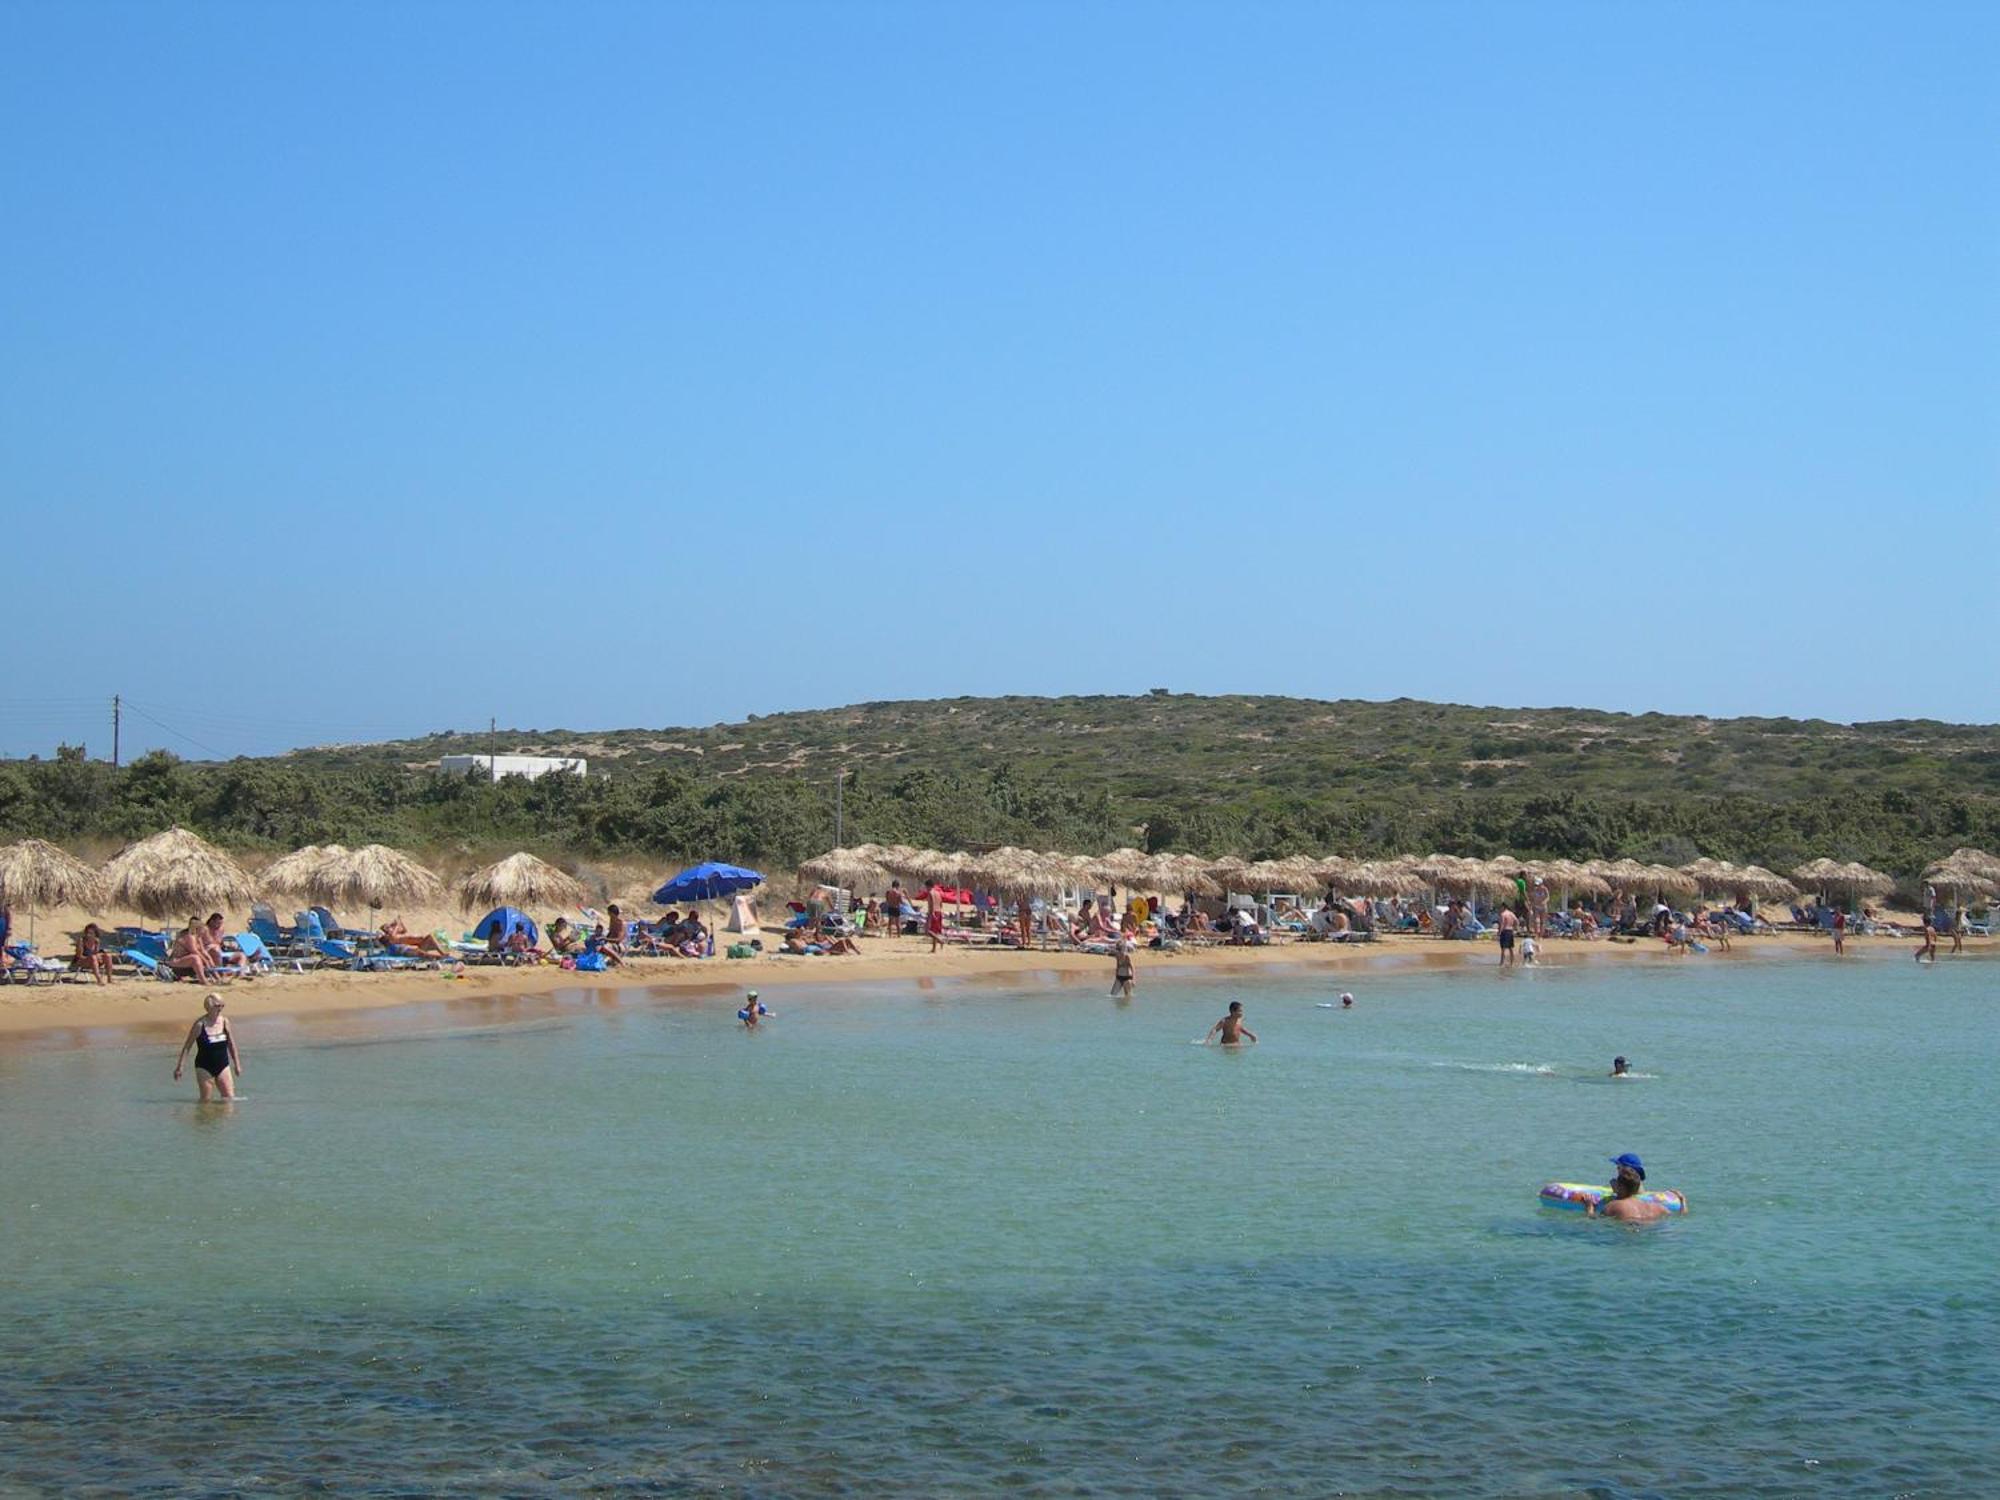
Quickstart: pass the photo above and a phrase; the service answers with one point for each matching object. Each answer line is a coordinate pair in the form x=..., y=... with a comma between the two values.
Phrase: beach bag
x=741, y=950
x=591, y=963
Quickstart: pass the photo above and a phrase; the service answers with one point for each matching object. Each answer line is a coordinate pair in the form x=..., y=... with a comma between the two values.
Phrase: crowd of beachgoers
x=1002, y=899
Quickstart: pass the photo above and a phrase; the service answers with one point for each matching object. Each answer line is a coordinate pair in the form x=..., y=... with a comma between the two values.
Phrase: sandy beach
x=74, y=1015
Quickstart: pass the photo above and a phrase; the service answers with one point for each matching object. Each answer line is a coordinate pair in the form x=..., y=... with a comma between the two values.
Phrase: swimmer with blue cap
x=1625, y=1202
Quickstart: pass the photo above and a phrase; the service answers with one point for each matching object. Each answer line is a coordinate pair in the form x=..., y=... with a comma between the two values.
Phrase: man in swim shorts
x=1234, y=1032
x=1507, y=923
x=1625, y=1202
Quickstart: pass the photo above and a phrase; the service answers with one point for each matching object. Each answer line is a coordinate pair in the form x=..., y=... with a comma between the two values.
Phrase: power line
x=188, y=738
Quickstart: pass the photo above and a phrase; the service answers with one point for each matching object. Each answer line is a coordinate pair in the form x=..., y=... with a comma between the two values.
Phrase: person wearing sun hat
x=1625, y=1202
x=752, y=1009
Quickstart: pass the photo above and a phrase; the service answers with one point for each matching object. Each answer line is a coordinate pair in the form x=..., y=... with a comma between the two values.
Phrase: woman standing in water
x=216, y=1065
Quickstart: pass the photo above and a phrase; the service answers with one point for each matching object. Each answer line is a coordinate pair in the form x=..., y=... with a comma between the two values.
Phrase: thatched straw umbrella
x=174, y=874
x=1126, y=867
x=1965, y=873
x=1665, y=880
x=1622, y=875
x=1713, y=876
x=1380, y=878
x=1018, y=873
x=521, y=880
x=1332, y=870
x=1457, y=876
x=1184, y=874
x=373, y=875
x=1568, y=878
x=845, y=868
x=1965, y=864
x=1960, y=880
x=1223, y=866
x=1718, y=877
x=1761, y=884
x=36, y=875
x=290, y=873
x=901, y=862
x=1851, y=879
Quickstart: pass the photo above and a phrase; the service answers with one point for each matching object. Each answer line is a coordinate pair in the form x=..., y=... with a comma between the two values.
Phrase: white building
x=493, y=767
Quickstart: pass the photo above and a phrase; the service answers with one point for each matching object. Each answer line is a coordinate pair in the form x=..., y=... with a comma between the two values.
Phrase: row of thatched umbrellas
x=1021, y=873
x=175, y=872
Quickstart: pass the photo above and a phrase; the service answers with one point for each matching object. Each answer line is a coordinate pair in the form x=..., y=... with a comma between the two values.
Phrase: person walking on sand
x=1839, y=931
x=216, y=1065
x=1508, y=922
x=934, y=915
x=1121, y=971
x=1234, y=1032
x=1958, y=929
x=1928, y=948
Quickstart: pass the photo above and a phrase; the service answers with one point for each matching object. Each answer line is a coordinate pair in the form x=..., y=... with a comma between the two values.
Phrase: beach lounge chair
x=25, y=966
x=330, y=927
x=351, y=955
x=279, y=941
x=153, y=966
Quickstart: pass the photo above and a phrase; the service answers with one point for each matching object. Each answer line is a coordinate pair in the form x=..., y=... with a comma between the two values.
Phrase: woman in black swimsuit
x=216, y=1065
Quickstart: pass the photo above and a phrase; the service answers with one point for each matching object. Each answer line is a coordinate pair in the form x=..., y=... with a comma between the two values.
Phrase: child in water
x=752, y=1009
x=1528, y=949
x=1234, y=1032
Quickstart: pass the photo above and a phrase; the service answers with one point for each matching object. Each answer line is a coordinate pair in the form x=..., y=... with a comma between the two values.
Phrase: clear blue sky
x=374, y=368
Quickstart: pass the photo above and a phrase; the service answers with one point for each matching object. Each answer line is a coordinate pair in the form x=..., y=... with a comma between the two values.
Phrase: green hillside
x=1254, y=775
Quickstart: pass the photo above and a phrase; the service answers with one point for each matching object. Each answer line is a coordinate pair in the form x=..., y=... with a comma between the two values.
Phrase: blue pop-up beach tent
x=709, y=882
x=506, y=919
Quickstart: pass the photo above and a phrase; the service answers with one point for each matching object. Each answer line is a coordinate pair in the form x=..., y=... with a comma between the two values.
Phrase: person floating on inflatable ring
x=1625, y=1202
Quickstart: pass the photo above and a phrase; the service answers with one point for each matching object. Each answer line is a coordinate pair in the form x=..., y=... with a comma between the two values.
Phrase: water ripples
x=1301, y=1377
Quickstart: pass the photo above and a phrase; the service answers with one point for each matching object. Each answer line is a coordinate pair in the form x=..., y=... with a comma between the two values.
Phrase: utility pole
x=116, y=709
x=493, y=750
x=838, y=777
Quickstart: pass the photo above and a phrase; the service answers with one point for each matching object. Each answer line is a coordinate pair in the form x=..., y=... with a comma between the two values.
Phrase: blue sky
x=369, y=369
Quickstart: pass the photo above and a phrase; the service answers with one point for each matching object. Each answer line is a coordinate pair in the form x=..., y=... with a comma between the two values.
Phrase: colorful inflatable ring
x=1578, y=1196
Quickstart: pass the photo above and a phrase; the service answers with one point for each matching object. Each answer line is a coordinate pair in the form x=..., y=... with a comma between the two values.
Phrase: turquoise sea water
x=962, y=1239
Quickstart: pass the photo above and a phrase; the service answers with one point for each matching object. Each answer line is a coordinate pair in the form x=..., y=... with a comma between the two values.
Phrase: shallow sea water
x=961, y=1240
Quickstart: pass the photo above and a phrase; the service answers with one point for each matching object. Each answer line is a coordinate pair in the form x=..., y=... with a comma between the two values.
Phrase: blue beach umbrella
x=709, y=882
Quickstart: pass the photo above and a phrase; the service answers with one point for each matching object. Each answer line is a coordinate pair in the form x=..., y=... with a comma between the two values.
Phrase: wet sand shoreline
x=66, y=1016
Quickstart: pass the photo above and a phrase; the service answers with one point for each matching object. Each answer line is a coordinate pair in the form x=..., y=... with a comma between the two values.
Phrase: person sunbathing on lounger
x=90, y=955
x=189, y=954
x=396, y=936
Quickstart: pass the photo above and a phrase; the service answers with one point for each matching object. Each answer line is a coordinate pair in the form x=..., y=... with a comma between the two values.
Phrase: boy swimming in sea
x=752, y=1009
x=1234, y=1032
